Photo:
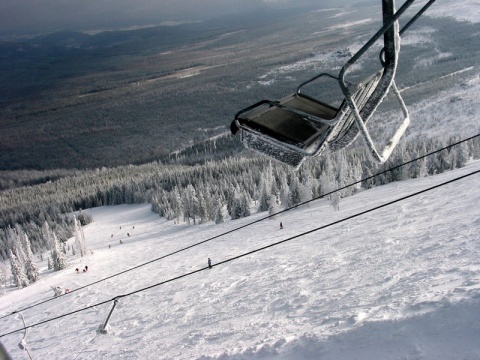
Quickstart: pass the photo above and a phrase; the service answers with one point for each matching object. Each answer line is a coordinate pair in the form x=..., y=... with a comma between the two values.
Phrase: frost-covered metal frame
x=361, y=101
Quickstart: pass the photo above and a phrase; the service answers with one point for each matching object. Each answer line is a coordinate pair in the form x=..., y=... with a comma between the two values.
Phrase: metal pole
x=104, y=330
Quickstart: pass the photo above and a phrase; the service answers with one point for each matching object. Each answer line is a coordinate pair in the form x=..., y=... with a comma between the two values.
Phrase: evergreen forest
x=40, y=217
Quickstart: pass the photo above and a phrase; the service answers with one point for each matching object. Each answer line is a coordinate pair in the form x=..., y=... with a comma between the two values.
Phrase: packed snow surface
x=401, y=282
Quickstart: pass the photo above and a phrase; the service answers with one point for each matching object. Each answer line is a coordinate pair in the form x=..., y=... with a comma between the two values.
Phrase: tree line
x=213, y=190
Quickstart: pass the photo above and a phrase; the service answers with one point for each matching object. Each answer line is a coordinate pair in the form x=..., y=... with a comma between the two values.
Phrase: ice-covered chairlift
x=300, y=126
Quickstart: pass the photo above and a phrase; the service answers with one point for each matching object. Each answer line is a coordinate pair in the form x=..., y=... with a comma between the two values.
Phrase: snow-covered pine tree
x=273, y=206
x=19, y=241
x=245, y=202
x=156, y=207
x=401, y=173
x=418, y=169
x=461, y=155
x=79, y=243
x=221, y=213
x=368, y=170
x=190, y=204
x=444, y=161
x=14, y=247
x=58, y=259
x=19, y=277
x=84, y=219
x=284, y=189
x=202, y=208
x=31, y=268
x=267, y=186
x=305, y=191
x=47, y=234
x=3, y=274
x=433, y=161
x=264, y=195
x=240, y=205
x=295, y=192
x=208, y=196
x=329, y=184
x=15, y=243
x=177, y=204
x=312, y=185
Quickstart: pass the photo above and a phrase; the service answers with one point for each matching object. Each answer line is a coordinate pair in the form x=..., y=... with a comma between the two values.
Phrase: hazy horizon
x=30, y=17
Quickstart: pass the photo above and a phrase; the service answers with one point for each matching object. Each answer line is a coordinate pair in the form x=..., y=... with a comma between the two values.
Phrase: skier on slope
x=58, y=291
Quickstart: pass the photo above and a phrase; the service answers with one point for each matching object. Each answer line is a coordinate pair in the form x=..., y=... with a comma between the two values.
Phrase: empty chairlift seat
x=299, y=126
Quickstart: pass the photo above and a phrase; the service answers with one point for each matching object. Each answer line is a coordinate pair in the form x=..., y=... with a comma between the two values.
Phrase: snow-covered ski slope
x=401, y=282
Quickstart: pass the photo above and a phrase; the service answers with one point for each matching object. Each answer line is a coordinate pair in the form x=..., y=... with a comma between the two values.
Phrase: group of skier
x=85, y=269
x=58, y=290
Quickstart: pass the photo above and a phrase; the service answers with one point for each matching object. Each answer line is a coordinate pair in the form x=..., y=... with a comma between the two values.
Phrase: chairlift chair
x=300, y=126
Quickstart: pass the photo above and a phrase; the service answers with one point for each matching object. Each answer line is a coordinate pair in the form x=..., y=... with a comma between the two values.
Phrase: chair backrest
x=344, y=132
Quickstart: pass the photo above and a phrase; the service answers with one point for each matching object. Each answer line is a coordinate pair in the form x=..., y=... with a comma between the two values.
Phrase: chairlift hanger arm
x=387, y=25
x=410, y=23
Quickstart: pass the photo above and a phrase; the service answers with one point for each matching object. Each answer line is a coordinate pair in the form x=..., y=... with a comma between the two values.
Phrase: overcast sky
x=37, y=16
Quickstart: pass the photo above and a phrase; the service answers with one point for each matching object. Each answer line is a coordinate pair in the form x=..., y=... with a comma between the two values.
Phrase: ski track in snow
x=402, y=282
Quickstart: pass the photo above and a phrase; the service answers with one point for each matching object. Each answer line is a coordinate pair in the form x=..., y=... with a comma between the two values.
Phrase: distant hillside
x=71, y=100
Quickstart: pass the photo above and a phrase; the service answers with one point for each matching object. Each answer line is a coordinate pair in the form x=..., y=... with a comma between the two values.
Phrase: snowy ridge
x=399, y=283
